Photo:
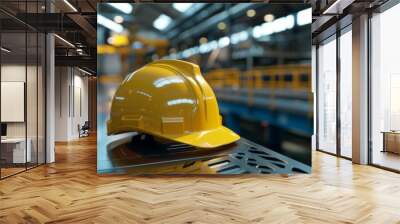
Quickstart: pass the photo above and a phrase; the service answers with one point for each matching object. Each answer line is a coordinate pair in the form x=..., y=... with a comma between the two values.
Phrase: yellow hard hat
x=169, y=99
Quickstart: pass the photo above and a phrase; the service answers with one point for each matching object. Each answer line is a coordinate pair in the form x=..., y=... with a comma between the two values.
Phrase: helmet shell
x=169, y=99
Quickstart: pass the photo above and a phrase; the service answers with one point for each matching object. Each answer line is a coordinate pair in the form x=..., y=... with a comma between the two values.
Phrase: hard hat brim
x=209, y=138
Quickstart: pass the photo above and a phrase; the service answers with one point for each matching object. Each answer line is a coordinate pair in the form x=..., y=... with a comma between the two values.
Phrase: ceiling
x=77, y=24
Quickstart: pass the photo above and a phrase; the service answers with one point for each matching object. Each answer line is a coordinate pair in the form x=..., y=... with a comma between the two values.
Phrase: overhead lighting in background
x=70, y=5
x=181, y=7
x=269, y=27
x=223, y=42
x=109, y=24
x=64, y=40
x=257, y=32
x=251, y=13
x=239, y=37
x=304, y=17
x=221, y=25
x=284, y=23
x=203, y=40
x=5, y=50
x=276, y=26
x=269, y=18
x=79, y=51
x=189, y=52
x=126, y=8
x=205, y=48
x=84, y=71
x=162, y=22
x=118, y=19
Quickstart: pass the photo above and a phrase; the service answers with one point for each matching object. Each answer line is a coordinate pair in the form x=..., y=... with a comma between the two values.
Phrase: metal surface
x=141, y=154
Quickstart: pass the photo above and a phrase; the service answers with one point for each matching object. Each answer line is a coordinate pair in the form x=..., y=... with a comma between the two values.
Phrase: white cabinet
x=17, y=146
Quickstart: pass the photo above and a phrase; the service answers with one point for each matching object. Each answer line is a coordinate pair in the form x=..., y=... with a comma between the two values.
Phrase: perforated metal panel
x=143, y=155
x=248, y=157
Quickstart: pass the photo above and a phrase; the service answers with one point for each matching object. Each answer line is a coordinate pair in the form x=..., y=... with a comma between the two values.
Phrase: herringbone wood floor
x=70, y=191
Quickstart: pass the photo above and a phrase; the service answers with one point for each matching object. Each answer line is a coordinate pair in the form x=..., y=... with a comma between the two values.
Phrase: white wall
x=80, y=100
x=62, y=81
x=71, y=94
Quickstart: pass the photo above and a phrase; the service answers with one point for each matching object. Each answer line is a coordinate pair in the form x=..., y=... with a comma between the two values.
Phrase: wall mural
x=217, y=97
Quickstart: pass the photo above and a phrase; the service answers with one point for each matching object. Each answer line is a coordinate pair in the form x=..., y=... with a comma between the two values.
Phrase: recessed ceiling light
x=118, y=19
x=269, y=18
x=203, y=40
x=182, y=7
x=221, y=25
x=162, y=22
x=251, y=13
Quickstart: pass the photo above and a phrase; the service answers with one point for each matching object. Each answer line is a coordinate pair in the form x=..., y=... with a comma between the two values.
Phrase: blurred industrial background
x=257, y=58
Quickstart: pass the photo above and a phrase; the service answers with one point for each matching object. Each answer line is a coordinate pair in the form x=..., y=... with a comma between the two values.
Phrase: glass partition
x=385, y=89
x=15, y=152
x=22, y=90
x=346, y=93
x=327, y=96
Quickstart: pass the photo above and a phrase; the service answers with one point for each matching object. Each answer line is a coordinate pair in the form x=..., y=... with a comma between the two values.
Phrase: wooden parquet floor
x=70, y=191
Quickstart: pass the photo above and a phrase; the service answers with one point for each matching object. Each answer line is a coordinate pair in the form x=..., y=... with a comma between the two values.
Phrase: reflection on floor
x=70, y=191
x=10, y=171
x=387, y=159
